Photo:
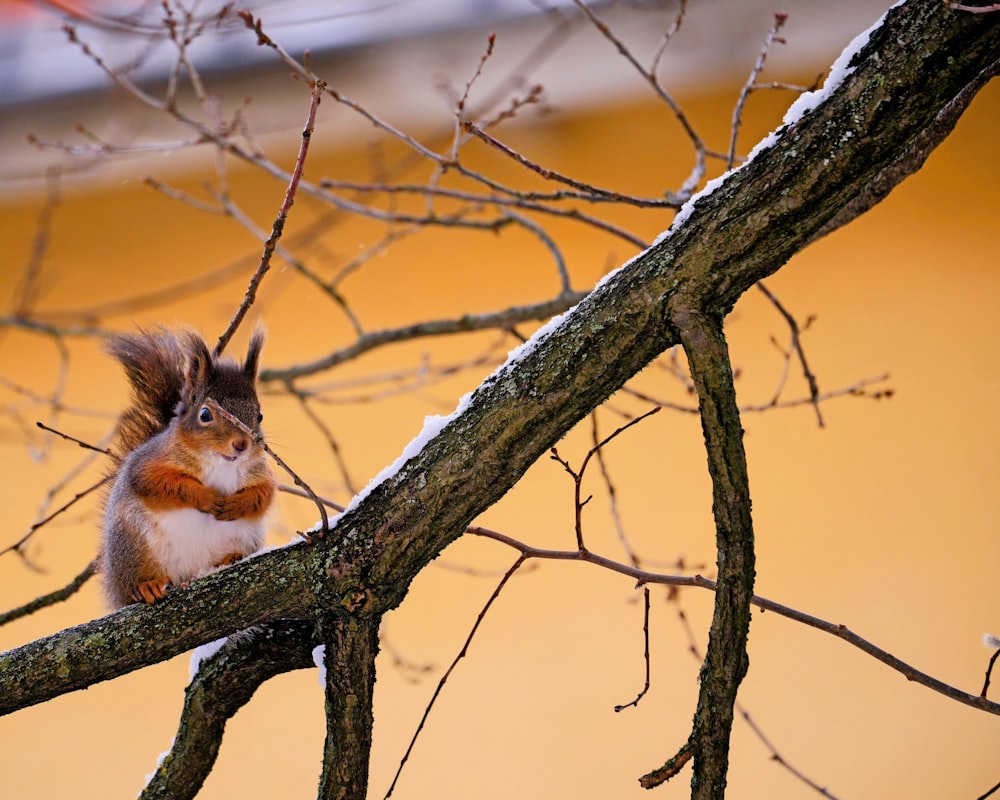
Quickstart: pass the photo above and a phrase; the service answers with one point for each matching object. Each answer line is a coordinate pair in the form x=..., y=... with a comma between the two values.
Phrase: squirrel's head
x=217, y=390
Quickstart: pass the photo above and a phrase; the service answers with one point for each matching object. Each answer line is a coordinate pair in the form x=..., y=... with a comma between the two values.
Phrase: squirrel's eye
x=205, y=415
x=260, y=417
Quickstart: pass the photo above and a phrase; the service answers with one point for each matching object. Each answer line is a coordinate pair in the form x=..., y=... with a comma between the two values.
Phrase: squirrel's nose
x=240, y=443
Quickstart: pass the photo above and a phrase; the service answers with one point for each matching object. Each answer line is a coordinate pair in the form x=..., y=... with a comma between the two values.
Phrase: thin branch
x=668, y=36
x=643, y=576
x=565, y=287
x=402, y=381
x=672, y=767
x=797, y=347
x=279, y=221
x=649, y=75
x=30, y=286
x=459, y=113
x=259, y=440
x=645, y=639
x=46, y=600
x=577, y=475
x=443, y=162
x=779, y=759
x=19, y=544
x=612, y=494
x=451, y=667
x=78, y=442
x=504, y=319
x=780, y=17
x=989, y=667
x=586, y=190
x=331, y=441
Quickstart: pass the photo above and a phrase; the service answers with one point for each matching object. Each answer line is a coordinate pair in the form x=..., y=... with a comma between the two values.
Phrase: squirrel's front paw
x=229, y=560
x=150, y=591
x=212, y=501
x=227, y=508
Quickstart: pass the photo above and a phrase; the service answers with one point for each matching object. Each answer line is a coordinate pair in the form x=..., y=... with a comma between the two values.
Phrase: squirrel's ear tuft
x=199, y=369
x=253, y=352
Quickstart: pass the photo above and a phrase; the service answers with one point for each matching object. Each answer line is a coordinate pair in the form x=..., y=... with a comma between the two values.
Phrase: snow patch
x=199, y=654
x=839, y=71
x=805, y=103
x=319, y=659
x=433, y=425
x=159, y=762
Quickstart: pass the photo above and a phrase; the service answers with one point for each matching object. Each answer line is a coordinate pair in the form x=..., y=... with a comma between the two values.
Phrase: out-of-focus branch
x=46, y=600
x=649, y=76
x=279, y=221
x=470, y=322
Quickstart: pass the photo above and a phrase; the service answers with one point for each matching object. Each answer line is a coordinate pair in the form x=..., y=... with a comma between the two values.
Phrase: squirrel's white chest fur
x=190, y=543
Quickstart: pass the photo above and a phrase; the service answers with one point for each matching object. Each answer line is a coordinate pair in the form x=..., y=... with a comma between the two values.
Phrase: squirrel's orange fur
x=192, y=487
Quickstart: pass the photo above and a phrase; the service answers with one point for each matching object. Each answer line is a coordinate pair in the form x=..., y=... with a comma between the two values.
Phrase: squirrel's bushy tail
x=155, y=363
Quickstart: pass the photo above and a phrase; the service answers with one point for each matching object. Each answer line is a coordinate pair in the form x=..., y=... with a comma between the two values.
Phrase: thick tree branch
x=139, y=635
x=726, y=658
x=921, y=62
x=349, y=660
x=224, y=683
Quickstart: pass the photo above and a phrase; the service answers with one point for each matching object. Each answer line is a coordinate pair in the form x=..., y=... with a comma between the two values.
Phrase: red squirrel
x=192, y=487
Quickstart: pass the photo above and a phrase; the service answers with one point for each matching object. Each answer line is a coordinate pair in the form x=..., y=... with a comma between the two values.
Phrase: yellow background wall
x=884, y=520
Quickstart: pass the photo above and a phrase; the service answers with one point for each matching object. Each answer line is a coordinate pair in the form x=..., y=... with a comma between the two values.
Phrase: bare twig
x=797, y=347
x=233, y=420
x=780, y=17
x=78, y=442
x=451, y=667
x=989, y=667
x=645, y=653
x=672, y=767
x=51, y=598
x=643, y=576
x=577, y=475
x=19, y=544
x=504, y=319
x=649, y=75
x=279, y=221
x=779, y=759
x=612, y=494
x=328, y=435
x=27, y=293
x=459, y=113
x=586, y=190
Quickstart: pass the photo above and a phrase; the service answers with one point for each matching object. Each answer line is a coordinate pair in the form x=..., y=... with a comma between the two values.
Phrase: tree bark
x=349, y=660
x=726, y=660
x=225, y=683
x=909, y=84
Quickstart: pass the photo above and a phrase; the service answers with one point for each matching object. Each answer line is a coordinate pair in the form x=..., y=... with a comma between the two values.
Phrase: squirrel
x=192, y=486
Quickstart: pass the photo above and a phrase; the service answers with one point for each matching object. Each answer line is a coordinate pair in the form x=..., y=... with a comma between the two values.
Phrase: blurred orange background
x=883, y=520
